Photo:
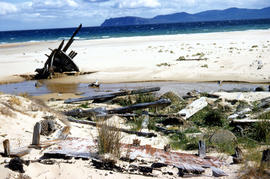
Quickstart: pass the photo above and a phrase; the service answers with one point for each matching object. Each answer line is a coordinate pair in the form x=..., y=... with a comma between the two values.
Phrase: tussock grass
x=108, y=139
x=14, y=101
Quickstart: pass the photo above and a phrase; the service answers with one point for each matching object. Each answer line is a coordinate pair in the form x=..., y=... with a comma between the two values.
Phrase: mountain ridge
x=232, y=13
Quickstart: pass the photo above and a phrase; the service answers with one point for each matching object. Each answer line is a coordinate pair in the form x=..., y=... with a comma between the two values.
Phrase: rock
x=222, y=136
x=47, y=127
x=260, y=88
x=175, y=99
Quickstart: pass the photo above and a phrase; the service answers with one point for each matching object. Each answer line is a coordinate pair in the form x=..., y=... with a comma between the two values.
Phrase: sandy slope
x=234, y=56
x=16, y=124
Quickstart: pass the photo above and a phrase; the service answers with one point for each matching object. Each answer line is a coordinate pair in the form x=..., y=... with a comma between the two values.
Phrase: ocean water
x=130, y=31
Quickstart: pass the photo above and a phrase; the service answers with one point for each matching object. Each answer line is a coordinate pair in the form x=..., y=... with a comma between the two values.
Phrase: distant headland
x=210, y=15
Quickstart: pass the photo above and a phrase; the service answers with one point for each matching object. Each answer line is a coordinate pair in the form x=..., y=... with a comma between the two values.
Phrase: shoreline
x=231, y=56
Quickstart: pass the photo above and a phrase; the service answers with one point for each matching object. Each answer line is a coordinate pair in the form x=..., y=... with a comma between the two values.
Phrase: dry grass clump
x=5, y=111
x=109, y=137
x=14, y=100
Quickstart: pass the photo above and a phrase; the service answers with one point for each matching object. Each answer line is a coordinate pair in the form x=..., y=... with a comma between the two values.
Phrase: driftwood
x=218, y=172
x=247, y=120
x=193, y=108
x=85, y=113
x=106, y=97
x=102, y=112
x=202, y=149
x=264, y=103
x=265, y=162
x=144, y=134
x=159, y=103
x=238, y=156
x=36, y=134
x=19, y=152
x=6, y=146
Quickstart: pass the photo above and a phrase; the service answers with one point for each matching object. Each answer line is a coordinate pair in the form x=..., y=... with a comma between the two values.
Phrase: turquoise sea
x=130, y=31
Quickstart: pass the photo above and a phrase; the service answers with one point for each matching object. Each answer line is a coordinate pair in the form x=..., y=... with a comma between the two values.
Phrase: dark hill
x=211, y=15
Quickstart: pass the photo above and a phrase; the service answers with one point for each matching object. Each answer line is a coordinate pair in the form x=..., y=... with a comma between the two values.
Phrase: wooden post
x=36, y=134
x=6, y=148
x=202, y=151
x=265, y=162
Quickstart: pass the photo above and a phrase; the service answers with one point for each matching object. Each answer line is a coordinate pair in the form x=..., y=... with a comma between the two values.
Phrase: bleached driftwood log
x=193, y=108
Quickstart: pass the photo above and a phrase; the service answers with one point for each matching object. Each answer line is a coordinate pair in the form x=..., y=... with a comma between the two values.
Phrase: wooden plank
x=161, y=102
x=202, y=149
x=36, y=134
x=265, y=162
x=193, y=108
x=6, y=146
x=247, y=120
x=72, y=38
x=113, y=95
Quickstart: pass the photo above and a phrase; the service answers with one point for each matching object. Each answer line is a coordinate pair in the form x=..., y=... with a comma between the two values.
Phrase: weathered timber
x=106, y=97
x=58, y=61
x=238, y=156
x=202, y=149
x=144, y=134
x=6, y=146
x=36, y=134
x=159, y=103
x=247, y=120
x=86, y=113
x=218, y=172
x=265, y=162
x=19, y=152
x=193, y=108
x=264, y=103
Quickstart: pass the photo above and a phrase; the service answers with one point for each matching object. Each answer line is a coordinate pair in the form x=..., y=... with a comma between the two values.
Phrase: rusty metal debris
x=86, y=148
x=59, y=61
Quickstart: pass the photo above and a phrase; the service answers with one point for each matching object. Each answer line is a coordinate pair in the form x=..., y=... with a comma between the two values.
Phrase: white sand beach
x=230, y=56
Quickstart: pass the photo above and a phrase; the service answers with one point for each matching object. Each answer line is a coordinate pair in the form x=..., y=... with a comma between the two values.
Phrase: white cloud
x=138, y=3
x=7, y=8
x=54, y=4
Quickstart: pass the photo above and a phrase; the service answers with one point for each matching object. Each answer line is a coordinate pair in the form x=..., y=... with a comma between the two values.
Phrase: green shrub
x=214, y=118
x=260, y=131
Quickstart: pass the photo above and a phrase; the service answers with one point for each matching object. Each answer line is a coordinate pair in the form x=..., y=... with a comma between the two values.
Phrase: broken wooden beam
x=265, y=162
x=86, y=113
x=19, y=152
x=144, y=134
x=72, y=38
x=106, y=97
x=193, y=108
x=36, y=134
x=6, y=146
x=159, y=103
x=247, y=120
x=202, y=149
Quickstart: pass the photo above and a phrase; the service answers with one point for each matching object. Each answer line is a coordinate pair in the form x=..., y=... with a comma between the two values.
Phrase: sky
x=43, y=14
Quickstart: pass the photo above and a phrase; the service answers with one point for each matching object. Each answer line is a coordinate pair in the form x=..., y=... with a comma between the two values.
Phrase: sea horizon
x=99, y=32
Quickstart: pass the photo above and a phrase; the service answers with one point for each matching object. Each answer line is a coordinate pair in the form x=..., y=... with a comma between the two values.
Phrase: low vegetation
x=108, y=139
x=164, y=64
